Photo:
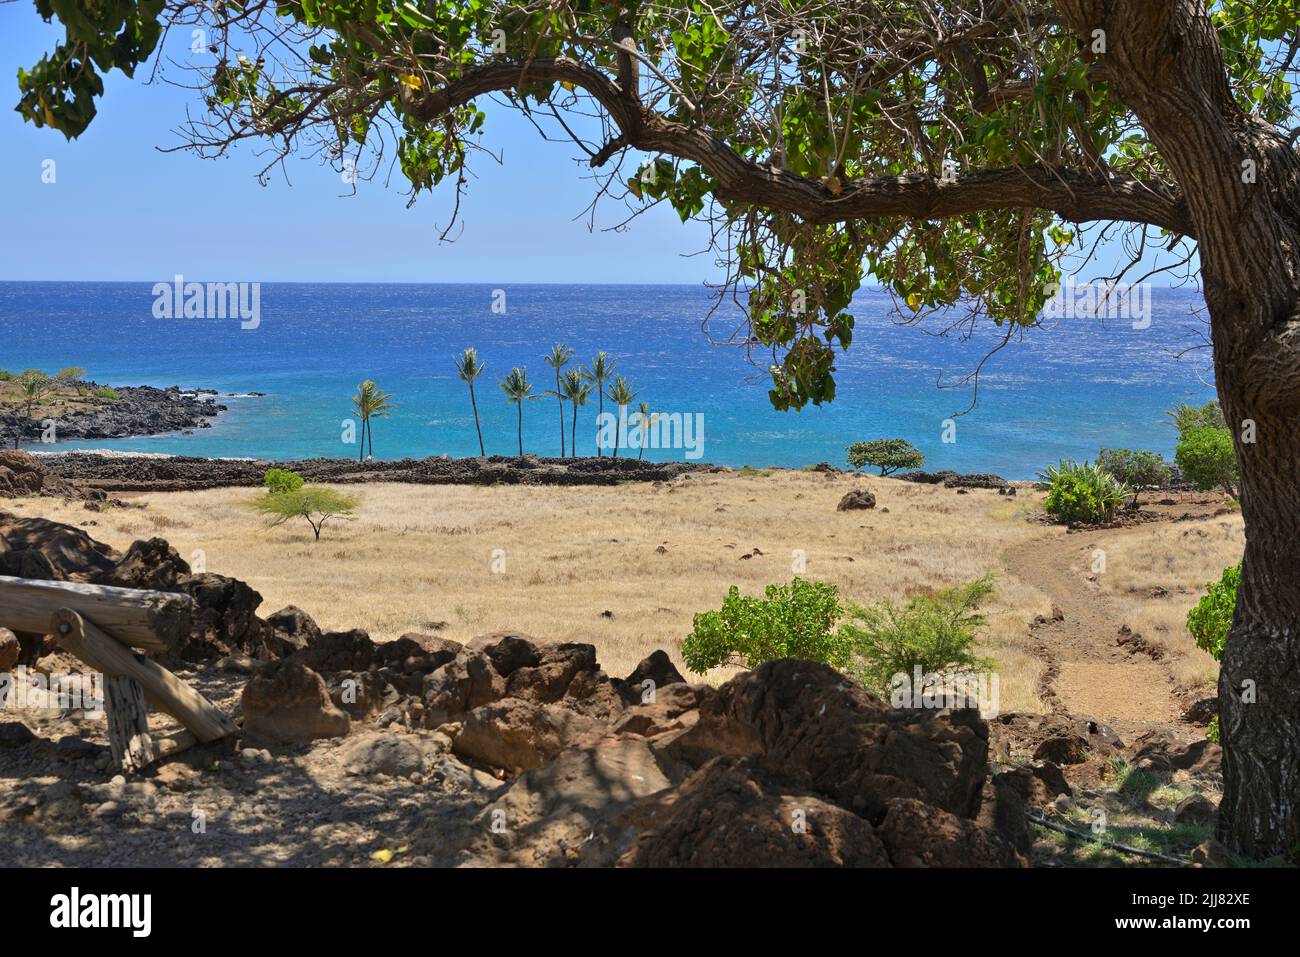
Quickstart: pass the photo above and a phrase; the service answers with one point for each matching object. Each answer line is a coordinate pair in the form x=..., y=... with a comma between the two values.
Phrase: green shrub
x=936, y=633
x=104, y=392
x=889, y=455
x=1082, y=493
x=1207, y=459
x=1211, y=620
x=282, y=480
x=6, y=376
x=790, y=621
x=1136, y=469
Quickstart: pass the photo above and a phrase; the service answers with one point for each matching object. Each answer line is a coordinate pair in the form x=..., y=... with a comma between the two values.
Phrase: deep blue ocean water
x=1063, y=390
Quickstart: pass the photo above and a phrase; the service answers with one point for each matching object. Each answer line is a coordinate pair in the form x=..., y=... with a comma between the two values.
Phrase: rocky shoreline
x=128, y=473
x=137, y=410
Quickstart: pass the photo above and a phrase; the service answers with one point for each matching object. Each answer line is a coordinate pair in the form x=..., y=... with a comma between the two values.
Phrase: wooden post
x=155, y=621
x=128, y=723
x=161, y=688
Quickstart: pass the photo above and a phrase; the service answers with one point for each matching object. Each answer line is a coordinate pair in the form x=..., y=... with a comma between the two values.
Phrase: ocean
x=1063, y=390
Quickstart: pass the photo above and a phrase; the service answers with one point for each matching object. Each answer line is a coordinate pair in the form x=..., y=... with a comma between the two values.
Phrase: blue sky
x=121, y=210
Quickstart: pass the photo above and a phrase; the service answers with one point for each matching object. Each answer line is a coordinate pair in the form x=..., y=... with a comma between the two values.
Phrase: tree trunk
x=559, y=398
x=1259, y=677
x=573, y=436
x=477, y=428
x=521, y=428
x=600, y=411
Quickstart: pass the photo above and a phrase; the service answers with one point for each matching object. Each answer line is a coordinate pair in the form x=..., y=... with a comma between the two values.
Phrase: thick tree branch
x=1073, y=195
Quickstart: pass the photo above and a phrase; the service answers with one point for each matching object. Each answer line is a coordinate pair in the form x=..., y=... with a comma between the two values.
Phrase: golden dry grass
x=421, y=557
x=1157, y=573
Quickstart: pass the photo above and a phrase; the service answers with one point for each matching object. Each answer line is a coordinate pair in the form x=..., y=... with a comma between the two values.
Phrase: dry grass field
x=583, y=564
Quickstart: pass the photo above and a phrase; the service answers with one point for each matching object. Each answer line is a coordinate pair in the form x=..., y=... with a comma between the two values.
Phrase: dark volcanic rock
x=138, y=410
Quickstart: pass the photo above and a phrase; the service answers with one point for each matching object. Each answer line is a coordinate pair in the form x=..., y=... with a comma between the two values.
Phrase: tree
x=314, y=503
x=1185, y=417
x=621, y=394
x=34, y=384
x=370, y=402
x=72, y=376
x=1206, y=459
x=282, y=480
x=557, y=359
x=957, y=152
x=889, y=455
x=647, y=422
x=1138, y=470
x=576, y=390
x=469, y=368
x=602, y=367
x=517, y=388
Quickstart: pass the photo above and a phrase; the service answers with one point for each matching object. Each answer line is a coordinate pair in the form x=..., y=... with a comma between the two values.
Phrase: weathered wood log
x=150, y=620
x=162, y=689
x=167, y=745
x=128, y=723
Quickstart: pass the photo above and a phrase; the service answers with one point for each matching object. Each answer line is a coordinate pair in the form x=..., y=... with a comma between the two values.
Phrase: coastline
x=136, y=411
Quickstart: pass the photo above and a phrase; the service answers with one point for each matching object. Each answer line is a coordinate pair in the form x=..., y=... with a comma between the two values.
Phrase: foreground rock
x=288, y=702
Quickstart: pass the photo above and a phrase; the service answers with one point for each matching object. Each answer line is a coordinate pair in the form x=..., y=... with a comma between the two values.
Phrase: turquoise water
x=1063, y=390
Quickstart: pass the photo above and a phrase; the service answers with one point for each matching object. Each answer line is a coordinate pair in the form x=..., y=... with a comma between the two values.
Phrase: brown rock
x=10, y=648
x=725, y=815
x=20, y=474
x=1211, y=854
x=513, y=733
x=918, y=835
x=152, y=565
x=1062, y=749
x=287, y=701
x=1195, y=809
x=69, y=551
x=656, y=667
x=466, y=682
x=338, y=651
x=1037, y=784
x=416, y=652
x=807, y=725
x=856, y=499
x=507, y=650
x=294, y=628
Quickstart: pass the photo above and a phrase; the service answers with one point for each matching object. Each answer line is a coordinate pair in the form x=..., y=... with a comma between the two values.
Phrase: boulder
x=225, y=622
x=416, y=652
x=1062, y=749
x=729, y=815
x=855, y=499
x=1195, y=809
x=462, y=684
x=359, y=693
x=1037, y=784
x=1211, y=854
x=673, y=708
x=916, y=834
x=805, y=724
x=152, y=565
x=338, y=651
x=515, y=734
x=69, y=552
x=507, y=650
x=20, y=474
x=10, y=648
x=287, y=701
x=656, y=667
x=394, y=755
x=294, y=626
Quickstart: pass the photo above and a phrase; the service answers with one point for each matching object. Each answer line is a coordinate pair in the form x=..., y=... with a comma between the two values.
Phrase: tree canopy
x=822, y=140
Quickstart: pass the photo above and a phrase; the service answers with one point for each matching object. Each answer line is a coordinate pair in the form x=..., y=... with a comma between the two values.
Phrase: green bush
x=1082, y=493
x=1207, y=459
x=936, y=633
x=6, y=376
x=104, y=392
x=282, y=480
x=1136, y=469
x=1211, y=620
x=790, y=621
x=889, y=455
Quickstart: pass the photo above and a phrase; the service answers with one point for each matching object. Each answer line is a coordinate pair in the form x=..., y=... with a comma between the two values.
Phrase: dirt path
x=1089, y=672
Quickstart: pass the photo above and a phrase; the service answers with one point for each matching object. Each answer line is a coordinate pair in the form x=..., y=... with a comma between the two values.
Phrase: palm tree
x=602, y=367
x=621, y=394
x=517, y=388
x=647, y=419
x=370, y=402
x=557, y=359
x=469, y=368
x=577, y=391
x=34, y=384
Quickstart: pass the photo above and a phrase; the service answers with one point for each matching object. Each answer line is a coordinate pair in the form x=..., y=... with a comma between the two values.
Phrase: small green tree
x=1206, y=458
x=1138, y=470
x=889, y=455
x=935, y=633
x=790, y=621
x=316, y=504
x=1211, y=620
x=282, y=480
x=1082, y=492
x=34, y=384
x=73, y=376
x=1187, y=417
